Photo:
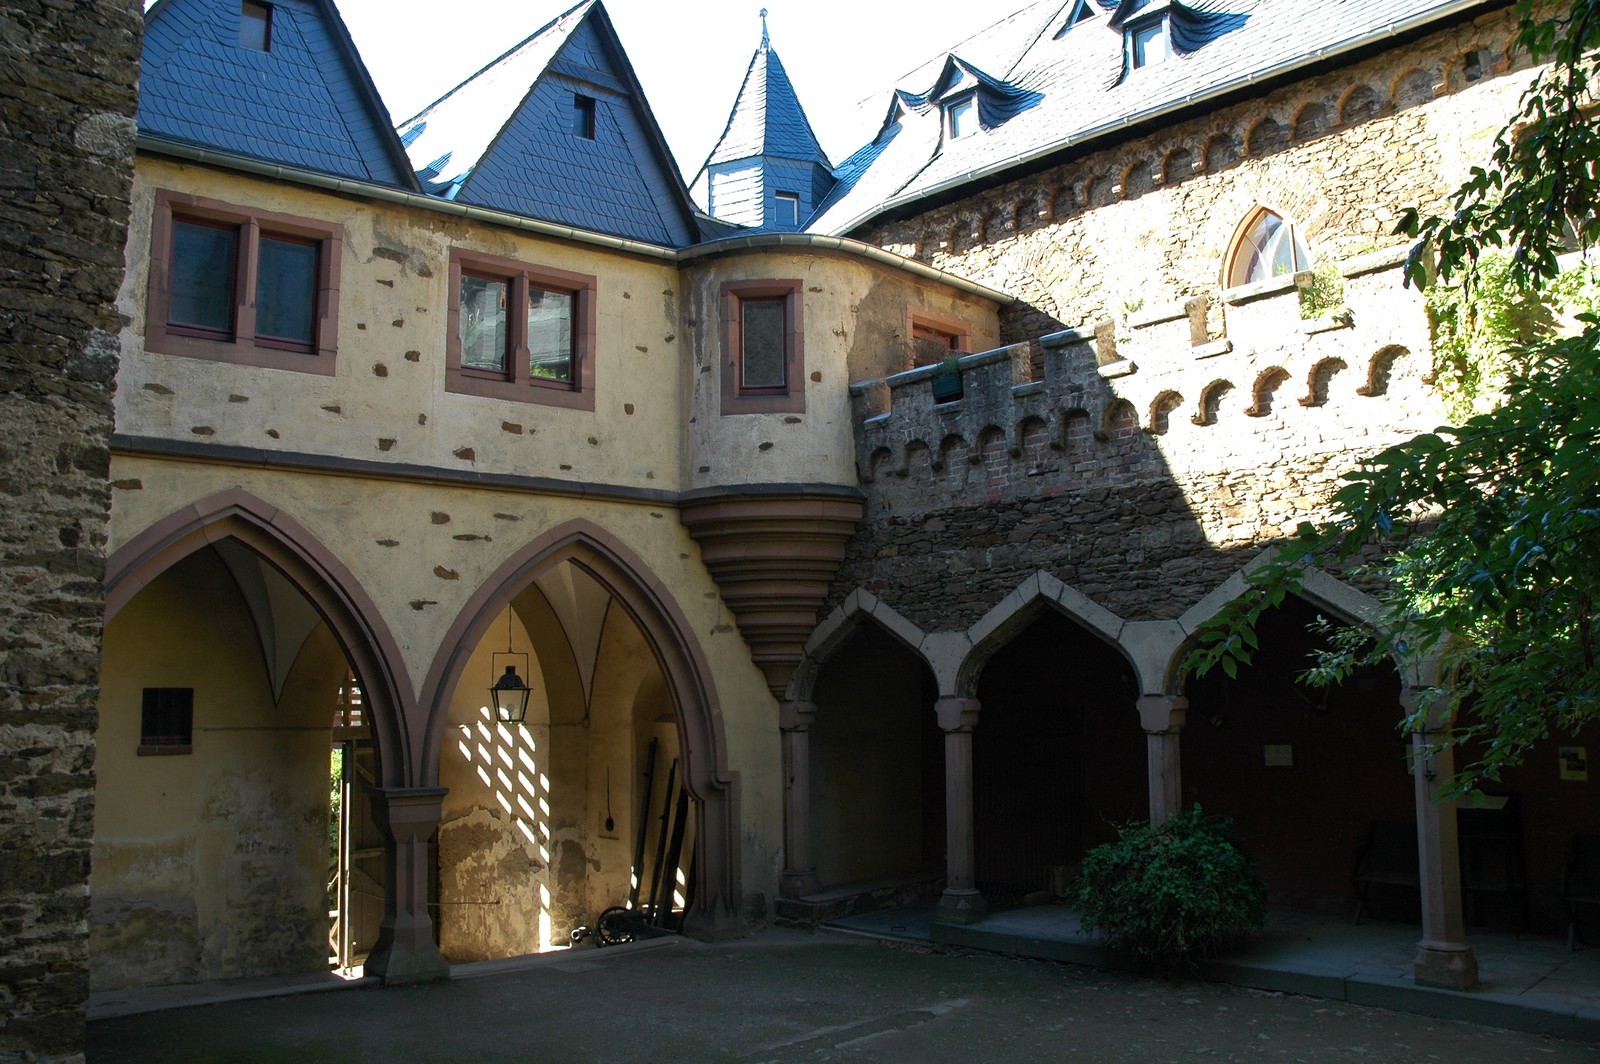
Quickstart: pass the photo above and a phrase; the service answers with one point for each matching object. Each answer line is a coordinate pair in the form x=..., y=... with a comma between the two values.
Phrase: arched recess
x=1014, y=612
x=669, y=639
x=859, y=607
x=330, y=588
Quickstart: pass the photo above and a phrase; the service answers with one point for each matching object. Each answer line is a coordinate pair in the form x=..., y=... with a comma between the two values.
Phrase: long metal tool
x=662, y=916
x=644, y=824
x=661, y=836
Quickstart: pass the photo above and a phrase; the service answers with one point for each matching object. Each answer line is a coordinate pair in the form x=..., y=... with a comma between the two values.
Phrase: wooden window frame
x=959, y=330
x=518, y=383
x=791, y=398
x=243, y=347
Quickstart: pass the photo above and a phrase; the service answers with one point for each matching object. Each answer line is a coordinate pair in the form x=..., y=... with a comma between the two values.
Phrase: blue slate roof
x=767, y=144
x=307, y=102
x=503, y=138
x=1075, y=79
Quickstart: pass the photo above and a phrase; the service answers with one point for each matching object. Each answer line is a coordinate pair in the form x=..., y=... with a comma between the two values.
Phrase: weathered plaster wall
x=68, y=93
x=387, y=401
x=421, y=550
x=857, y=324
x=211, y=864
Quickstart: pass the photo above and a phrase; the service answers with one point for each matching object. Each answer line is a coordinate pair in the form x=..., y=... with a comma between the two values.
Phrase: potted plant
x=947, y=379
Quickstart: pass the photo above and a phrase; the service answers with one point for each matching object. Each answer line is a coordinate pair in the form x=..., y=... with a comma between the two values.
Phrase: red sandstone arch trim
x=330, y=587
x=1013, y=613
x=668, y=634
x=859, y=609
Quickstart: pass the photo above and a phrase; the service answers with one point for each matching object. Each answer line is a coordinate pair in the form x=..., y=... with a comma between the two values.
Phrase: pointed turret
x=767, y=170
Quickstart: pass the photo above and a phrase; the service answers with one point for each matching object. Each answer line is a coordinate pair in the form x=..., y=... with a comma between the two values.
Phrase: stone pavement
x=794, y=996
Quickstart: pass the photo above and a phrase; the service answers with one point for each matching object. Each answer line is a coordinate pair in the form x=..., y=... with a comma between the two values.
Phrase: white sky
x=690, y=55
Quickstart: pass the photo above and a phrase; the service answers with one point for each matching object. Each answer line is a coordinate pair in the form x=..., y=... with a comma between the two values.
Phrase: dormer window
x=1148, y=43
x=787, y=210
x=255, y=26
x=1081, y=13
x=962, y=116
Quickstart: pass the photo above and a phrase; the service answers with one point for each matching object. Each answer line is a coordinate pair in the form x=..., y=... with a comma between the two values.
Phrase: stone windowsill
x=1122, y=367
x=1272, y=286
x=1166, y=312
x=1213, y=349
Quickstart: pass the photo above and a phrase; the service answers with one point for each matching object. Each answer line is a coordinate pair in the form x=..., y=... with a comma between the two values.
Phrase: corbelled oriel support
x=773, y=549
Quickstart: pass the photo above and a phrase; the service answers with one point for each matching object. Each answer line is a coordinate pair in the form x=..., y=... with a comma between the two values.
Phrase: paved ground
x=790, y=996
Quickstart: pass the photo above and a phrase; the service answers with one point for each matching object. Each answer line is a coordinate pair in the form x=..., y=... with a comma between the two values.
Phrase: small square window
x=1147, y=44
x=166, y=721
x=963, y=117
x=583, y=116
x=255, y=26
x=788, y=208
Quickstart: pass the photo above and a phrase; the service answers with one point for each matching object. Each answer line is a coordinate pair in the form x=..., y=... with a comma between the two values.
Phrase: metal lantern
x=509, y=693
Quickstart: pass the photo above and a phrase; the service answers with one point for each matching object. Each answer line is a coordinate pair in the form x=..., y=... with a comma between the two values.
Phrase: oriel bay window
x=763, y=350
x=520, y=332
x=238, y=285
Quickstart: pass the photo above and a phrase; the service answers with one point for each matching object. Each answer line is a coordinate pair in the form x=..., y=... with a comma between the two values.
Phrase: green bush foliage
x=1172, y=894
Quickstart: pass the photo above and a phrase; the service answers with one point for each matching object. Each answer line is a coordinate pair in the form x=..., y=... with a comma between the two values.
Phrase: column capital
x=957, y=714
x=796, y=716
x=1159, y=714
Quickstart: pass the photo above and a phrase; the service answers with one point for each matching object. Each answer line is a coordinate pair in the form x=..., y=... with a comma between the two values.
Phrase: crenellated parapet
x=1223, y=381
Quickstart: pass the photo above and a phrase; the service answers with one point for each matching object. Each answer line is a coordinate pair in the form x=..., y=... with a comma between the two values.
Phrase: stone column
x=1162, y=716
x=1444, y=958
x=961, y=903
x=409, y=819
x=799, y=863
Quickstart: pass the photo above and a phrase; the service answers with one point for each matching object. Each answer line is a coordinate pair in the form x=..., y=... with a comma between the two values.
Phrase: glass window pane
x=286, y=290
x=763, y=343
x=203, y=261
x=483, y=323
x=550, y=334
x=963, y=117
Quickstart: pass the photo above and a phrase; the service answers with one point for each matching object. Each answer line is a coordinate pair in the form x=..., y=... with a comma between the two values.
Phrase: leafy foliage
x=1170, y=894
x=1326, y=293
x=1490, y=528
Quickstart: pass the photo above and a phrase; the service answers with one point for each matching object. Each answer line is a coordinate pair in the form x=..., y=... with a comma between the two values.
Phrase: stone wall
x=1149, y=430
x=66, y=132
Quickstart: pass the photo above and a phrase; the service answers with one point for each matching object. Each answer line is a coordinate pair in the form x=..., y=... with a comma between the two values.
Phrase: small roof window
x=788, y=208
x=962, y=116
x=583, y=116
x=255, y=26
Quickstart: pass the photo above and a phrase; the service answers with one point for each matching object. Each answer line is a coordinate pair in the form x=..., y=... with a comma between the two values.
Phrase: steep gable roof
x=1078, y=68
x=305, y=102
x=504, y=138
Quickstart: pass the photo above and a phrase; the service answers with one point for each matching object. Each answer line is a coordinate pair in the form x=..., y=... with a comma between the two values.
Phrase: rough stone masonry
x=68, y=78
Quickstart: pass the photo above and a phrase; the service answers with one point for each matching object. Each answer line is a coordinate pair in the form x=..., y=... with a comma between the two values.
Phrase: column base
x=960, y=907
x=798, y=884
x=394, y=965
x=714, y=922
x=1447, y=965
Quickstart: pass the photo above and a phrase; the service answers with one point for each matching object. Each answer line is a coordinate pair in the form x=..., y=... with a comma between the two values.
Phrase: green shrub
x=1170, y=894
x=1325, y=295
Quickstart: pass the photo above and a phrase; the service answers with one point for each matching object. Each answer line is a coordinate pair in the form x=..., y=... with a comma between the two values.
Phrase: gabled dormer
x=971, y=100
x=767, y=170
x=278, y=82
x=557, y=129
x=1154, y=31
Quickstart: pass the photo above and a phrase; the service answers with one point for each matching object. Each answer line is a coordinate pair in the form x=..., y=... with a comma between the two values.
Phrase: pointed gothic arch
x=332, y=590
x=669, y=637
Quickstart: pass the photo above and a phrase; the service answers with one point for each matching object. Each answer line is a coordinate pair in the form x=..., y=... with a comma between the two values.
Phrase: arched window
x=1268, y=246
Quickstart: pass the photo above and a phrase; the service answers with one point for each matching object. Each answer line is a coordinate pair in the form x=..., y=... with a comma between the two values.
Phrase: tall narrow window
x=788, y=208
x=963, y=117
x=1268, y=246
x=583, y=116
x=255, y=26
x=483, y=322
x=286, y=292
x=761, y=366
x=763, y=347
x=1148, y=44
x=550, y=334
x=205, y=258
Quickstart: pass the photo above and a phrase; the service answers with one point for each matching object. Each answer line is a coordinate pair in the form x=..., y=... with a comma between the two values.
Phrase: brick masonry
x=1150, y=431
x=67, y=95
